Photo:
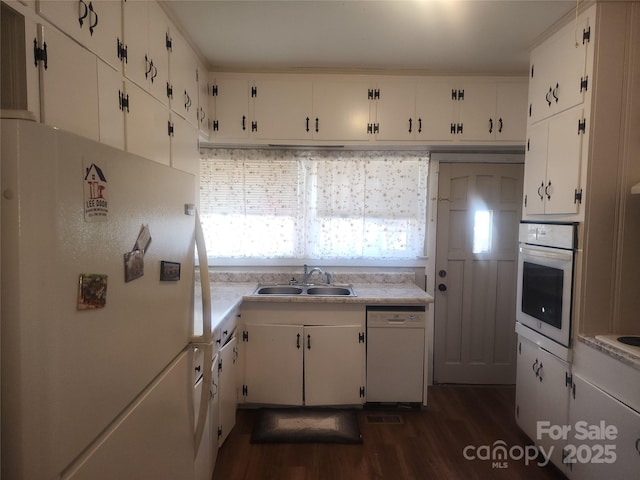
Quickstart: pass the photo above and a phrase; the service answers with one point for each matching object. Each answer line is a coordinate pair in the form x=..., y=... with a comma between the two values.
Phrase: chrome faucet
x=307, y=273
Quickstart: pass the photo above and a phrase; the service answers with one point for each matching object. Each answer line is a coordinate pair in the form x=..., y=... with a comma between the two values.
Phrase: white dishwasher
x=395, y=354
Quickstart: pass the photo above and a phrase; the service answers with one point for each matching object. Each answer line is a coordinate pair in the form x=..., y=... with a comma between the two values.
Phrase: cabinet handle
x=410, y=125
x=298, y=342
x=317, y=125
x=547, y=96
x=149, y=64
x=82, y=14
x=94, y=13
x=309, y=342
x=535, y=364
x=500, y=125
x=538, y=374
x=546, y=190
x=244, y=122
x=540, y=188
x=491, y=125
x=555, y=92
x=419, y=125
x=155, y=72
x=638, y=445
x=307, y=128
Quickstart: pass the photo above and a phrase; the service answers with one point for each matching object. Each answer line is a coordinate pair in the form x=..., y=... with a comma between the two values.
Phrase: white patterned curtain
x=303, y=204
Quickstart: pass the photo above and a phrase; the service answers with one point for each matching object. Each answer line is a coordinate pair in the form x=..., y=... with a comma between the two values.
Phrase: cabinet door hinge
x=568, y=379
x=245, y=390
x=525, y=204
x=582, y=126
x=362, y=392
x=586, y=35
x=122, y=51
x=573, y=390
x=170, y=129
x=40, y=54
x=373, y=94
x=216, y=126
x=360, y=337
x=457, y=94
x=373, y=128
x=532, y=67
x=168, y=42
x=214, y=90
x=245, y=336
x=577, y=196
x=254, y=92
x=254, y=126
x=220, y=365
x=123, y=101
x=169, y=90
x=584, y=83
x=518, y=411
x=219, y=432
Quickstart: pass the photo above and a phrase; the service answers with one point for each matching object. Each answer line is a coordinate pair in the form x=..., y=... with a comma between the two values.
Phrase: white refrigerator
x=97, y=312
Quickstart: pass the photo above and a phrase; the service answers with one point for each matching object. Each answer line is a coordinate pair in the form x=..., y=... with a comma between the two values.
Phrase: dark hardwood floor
x=429, y=443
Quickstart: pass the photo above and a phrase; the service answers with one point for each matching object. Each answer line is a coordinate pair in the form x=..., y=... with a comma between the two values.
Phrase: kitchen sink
x=329, y=291
x=279, y=290
x=312, y=290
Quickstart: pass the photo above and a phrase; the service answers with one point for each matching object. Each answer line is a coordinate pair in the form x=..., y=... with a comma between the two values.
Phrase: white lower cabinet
x=304, y=365
x=300, y=354
x=542, y=397
x=604, y=441
x=227, y=388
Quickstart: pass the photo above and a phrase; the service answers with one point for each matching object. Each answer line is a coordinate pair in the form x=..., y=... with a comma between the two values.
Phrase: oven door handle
x=545, y=253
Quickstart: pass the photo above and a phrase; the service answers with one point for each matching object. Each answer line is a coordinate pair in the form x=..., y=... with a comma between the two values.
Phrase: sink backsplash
x=284, y=277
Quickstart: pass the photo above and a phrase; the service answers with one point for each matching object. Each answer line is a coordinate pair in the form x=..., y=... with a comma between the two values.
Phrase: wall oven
x=545, y=278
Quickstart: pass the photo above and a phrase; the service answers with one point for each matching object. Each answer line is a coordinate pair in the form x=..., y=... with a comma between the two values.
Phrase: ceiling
x=478, y=37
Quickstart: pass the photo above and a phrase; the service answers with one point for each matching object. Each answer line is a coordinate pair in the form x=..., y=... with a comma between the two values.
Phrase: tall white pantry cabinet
x=580, y=159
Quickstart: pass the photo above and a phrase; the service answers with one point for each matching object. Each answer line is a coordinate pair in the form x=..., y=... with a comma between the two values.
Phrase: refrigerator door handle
x=204, y=396
x=204, y=282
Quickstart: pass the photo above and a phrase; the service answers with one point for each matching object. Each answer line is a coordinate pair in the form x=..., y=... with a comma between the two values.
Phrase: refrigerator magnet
x=169, y=271
x=144, y=239
x=133, y=265
x=96, y=205
x=92, y=291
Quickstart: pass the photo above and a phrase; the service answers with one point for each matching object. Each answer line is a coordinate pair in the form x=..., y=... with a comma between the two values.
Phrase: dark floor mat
x=306, y=425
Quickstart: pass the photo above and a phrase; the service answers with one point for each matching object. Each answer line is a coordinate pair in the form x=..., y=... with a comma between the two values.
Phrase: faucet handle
x=328, y=275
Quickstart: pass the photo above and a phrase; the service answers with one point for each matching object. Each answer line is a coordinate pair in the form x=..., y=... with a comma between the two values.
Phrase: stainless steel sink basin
x=279, y=290
x=328, y=290
x=314, y=290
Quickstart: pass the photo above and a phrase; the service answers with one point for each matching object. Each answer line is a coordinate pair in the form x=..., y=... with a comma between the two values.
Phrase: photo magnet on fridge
x=169, y=271
x=92, y=291
x=133, y=265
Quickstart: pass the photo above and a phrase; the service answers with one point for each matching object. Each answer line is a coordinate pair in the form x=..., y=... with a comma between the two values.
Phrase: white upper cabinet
x=229, y=108
x=558, y=78
x=283, y=109
x=147, y=43
x=340, y=110
x=204, y=92
x=449, y=110
x=183, y=79
x=111, y=106
x=553, y=164
x=96, y=24
x=69, y=85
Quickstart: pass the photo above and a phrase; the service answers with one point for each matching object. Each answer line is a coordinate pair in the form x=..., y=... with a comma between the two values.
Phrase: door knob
x=442, y=273
x=442, y=287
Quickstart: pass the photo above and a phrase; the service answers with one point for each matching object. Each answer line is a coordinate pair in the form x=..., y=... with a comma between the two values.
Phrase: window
x=301, y=204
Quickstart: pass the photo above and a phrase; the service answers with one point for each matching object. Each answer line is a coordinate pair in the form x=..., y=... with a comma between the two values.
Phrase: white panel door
x=526, y=386
x=476, y=264
x=273, y=364
x=535, y=168
x=334, y=365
